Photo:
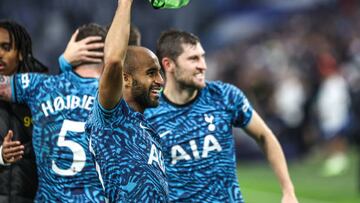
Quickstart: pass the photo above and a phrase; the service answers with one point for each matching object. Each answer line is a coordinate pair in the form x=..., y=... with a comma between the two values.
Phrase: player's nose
x=202, y=64
x=159, y=79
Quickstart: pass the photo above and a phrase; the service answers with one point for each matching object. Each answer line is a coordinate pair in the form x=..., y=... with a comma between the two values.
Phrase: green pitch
x=259, y=184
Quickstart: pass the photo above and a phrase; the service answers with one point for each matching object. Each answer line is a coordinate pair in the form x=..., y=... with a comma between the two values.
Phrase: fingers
x=12, y=154
x=12, y=151
x=11, y=144
x=91, y=39
x=13, y=159
x=8, y=136
x=73, y=36
x=94, y=46
x=15, y=155
x=92, y=56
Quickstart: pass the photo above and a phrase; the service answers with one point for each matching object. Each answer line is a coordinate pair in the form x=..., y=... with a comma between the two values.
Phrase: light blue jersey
x=129, y=157
x=60, y=106
x=198, y=143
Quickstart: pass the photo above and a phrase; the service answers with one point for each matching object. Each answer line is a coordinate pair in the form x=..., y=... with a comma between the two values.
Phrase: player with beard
x=125, y=146
x=195, y=120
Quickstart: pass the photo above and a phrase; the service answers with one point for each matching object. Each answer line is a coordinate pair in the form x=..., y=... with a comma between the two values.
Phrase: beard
x=187, y=80
x=141, y=95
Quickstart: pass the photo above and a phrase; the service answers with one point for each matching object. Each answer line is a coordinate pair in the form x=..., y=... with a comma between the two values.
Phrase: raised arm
x=116, y=43
x=272, y=149
x=5, y=88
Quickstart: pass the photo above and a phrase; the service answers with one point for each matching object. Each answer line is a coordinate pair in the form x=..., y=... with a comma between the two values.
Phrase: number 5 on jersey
x=79, y=157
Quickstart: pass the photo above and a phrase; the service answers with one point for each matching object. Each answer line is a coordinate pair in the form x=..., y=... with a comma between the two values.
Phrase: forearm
x=116, y=42
x=276, y=158
x=272, y=149
x=5, y=88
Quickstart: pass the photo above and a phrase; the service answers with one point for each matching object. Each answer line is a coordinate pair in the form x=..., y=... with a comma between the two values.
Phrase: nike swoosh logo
x=164, y=133
x=143, y=127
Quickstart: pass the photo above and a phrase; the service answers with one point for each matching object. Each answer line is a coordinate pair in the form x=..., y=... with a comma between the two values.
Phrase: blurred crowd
x=303, y=77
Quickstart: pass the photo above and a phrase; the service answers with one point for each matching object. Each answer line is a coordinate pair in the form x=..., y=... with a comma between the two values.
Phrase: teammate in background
x=60, y=105
x=135, y=36
x=195, y=120
x=82, y=51
x=18, y=181
x=126, y=148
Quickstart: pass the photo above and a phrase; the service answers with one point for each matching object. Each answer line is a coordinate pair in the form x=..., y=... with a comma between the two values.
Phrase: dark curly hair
x=22, y=41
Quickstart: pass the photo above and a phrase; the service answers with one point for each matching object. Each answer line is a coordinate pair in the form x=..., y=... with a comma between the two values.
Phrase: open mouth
x=200, y=76
x=155, y=91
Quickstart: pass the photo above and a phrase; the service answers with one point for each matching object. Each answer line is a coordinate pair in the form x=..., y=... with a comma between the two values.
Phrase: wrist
x=2, y=160
x=289, y=189
x=66, y=57
x=64, y=64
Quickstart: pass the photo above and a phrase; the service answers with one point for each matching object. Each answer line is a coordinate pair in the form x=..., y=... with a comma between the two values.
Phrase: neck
x=89, y=70
x=132, y=103
x=178, y=93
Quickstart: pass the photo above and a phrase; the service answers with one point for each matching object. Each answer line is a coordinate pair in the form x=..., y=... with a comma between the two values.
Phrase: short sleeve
x=64, y=64
x=238, y=104
x=101, y=117
x=25, y=86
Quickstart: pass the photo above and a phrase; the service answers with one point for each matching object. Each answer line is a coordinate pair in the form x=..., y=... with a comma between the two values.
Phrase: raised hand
x=12, y=151
x=77, y=52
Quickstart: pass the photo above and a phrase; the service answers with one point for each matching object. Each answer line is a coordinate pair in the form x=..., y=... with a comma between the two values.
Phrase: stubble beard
x=142, y=95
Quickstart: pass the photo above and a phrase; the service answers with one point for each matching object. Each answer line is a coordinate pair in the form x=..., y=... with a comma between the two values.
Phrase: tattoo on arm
x=5, y=88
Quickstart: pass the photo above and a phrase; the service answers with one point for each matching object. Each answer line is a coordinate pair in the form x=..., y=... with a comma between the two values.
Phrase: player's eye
x=6, y=46
x=151, y=72
x=194, y=58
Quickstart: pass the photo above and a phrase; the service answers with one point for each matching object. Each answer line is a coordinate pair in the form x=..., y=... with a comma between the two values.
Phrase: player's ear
x=127, y=80
x=168, y=64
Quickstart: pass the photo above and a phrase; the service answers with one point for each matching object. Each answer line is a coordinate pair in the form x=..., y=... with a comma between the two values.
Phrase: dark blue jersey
x=60, y=106
x=198, y=143
x=129, y=156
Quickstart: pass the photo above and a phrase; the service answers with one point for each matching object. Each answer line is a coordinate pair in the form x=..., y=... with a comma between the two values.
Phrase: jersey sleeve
x=101, y=117
x=24, y=87
x=64, y=64
x=238, y=105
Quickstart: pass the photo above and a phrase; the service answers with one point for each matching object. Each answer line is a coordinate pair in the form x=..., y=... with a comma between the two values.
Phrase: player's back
x=60, y=106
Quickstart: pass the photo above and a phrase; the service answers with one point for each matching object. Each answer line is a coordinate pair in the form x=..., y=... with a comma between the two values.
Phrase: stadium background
x=258, y=45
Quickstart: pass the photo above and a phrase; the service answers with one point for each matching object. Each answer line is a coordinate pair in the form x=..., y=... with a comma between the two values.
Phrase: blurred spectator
x=333, y=104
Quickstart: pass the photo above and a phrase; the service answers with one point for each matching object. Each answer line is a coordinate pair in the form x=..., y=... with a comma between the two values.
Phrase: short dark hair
x=135, y=35
x=92, y=29
x=169, y=43
x=22, y=41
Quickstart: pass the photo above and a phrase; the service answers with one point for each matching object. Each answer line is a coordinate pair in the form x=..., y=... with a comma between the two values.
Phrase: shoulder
x=221, y=89
x=151, y=113
x=24, y=76
x=120, y=111
x=28, y=80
